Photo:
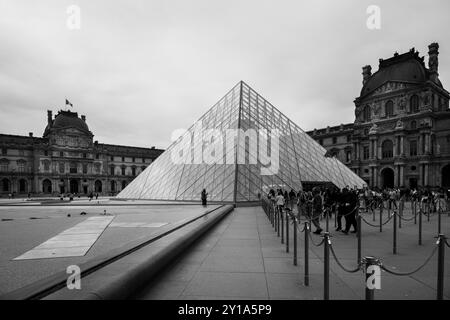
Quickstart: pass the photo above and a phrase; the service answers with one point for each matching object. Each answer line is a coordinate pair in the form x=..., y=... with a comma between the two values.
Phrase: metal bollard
x=306, y=253
x=394, y=242
x=359, y=235
x=441, y=262
x=428, y=211
x=370, y=263
x=282, y=226
x=400, y=214
x=373, y=214
x=295, y=241
x=327, y=219
x=287, y=232
x=326, y=266
x=420, y=227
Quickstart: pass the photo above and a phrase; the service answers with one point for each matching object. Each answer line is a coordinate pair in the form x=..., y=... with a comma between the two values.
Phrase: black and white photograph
x=225, y=158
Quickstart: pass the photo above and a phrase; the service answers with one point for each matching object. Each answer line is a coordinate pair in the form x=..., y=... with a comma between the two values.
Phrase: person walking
x=204, y=197
x=341, y=198
x=280, y=201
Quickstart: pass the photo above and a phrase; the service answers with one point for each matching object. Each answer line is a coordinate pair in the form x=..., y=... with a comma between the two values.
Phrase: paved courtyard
x=32, y=236
x=242, y=258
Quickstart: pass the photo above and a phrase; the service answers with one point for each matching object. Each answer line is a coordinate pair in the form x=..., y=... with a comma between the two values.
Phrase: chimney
x=367, y=73
x=83, y=117
x=433, y=62
x=49, y=117
x=30, y=134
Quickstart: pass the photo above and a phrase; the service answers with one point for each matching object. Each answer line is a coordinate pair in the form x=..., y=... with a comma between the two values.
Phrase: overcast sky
x=140, y=69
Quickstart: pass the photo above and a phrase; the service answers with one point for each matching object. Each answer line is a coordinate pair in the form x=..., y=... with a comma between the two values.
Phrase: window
x=389, y=108
x=46, y=153
x=4, y=165
x=133, y=171
x=414, y=125
x=334, y=140
x=123, y=171
x=112, y=158
x=348, y=155
x=97, y=156
x=366, y=152
x=97, y=168
x=21, y=166
x=61, y=154
x=84, y=155
x=134, y=159
x=4, y=151
x=367, y=113
x=85, y=168
x=414, y=103
x=73, y=168
x=321, y=142
x=366, y=132
x=123, y=159
x=111, y=170
x=413, y=148
x=61, y=167
x=387, y=149
x=413, y=168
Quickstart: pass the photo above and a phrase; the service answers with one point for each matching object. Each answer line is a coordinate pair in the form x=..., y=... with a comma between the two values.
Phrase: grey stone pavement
x=242, y=258
x=23, y=227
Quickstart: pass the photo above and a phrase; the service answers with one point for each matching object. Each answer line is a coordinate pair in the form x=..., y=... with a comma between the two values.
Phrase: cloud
x=141, y=69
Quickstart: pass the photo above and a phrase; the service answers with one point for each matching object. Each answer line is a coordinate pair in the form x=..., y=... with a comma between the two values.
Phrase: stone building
x=401, y=133
x=67, y=160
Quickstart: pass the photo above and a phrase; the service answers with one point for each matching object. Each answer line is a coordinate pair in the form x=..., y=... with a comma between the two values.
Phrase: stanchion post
x=441, y=262
x=370, y=290
x=415, y=211
x=381, y=218
x=439, y=217
x=282, y=226
x=394, y=242
x=428, y=210
x=359, y=235
x=306, y=253
x=327, y=219
x=287, y=232
x=400, y=214
x=420, y=227
x=295, y=241
x=326, y=266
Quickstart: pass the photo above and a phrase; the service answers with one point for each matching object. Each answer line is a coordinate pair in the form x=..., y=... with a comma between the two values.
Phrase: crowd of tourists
x=322, y=201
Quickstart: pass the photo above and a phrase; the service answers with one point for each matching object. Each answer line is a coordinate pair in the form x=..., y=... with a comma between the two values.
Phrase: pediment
x=391, y=86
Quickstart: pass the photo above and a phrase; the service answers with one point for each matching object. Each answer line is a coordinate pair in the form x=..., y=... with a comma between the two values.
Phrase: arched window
x=124, y=184
x=367, y=114
x=6, y=185
x=414, y=124
x=414, y=103
x=387, y=149
x=22, y=185
x=389, y=108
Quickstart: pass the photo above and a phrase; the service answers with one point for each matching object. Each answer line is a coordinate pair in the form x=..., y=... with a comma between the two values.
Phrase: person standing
x=204, y=197
x=341, y=197
x=351, y=208
x=280, y=201
x=317, y=207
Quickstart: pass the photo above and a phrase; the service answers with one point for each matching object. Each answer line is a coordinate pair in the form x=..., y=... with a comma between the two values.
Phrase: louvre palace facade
x=401, y=133
x=67, y=160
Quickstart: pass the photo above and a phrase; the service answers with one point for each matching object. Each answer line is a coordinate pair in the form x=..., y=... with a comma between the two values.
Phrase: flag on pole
x=68, y=103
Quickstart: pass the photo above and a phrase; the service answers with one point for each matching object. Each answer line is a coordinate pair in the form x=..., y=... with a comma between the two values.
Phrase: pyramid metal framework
x=301, y=159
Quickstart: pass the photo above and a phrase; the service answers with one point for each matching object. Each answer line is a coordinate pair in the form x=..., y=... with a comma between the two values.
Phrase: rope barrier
x=446, y=243
x=312, y=241
x=341, y=265
x=404, y=219
x=412, y=272
x=377, y=225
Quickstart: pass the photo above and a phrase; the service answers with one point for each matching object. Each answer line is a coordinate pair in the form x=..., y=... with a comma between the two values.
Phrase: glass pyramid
x=298, y=158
